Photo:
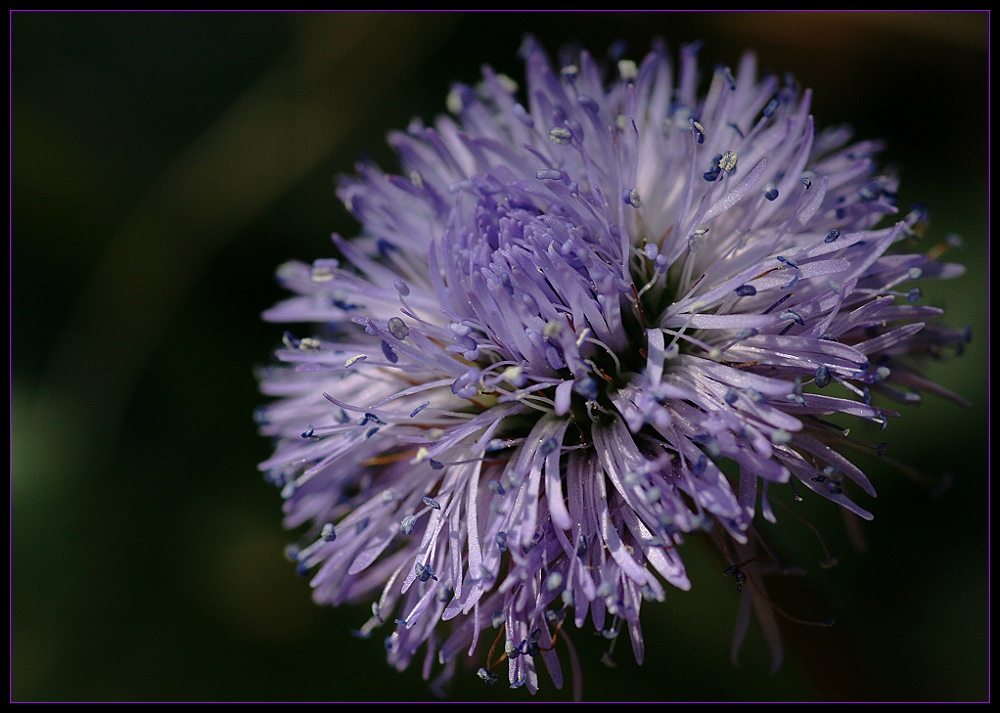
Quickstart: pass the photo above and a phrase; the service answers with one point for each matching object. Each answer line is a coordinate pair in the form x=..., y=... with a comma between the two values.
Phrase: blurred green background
x=165, y=164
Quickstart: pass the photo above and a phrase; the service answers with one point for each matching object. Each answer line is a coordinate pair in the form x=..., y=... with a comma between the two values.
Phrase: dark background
x=165, y=164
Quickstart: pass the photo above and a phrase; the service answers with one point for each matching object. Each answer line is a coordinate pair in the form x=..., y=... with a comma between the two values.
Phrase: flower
x=576, y=331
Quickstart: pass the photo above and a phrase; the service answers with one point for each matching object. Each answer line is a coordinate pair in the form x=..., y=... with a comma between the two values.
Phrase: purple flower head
x=586, y=321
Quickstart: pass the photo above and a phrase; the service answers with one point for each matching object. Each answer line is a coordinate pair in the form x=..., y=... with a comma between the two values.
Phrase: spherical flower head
x=585, y=322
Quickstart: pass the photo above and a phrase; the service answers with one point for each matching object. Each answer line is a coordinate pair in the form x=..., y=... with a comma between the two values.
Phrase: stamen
x=560, y=135
x=328, y=534
x=398, y=328
x=424, y=572
x=698, y=130
x=487, y=676
x=741, y=577
x=419, y=408
x=728, y=161
x=792, y=315
x=406, y=526
x=627, y=69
